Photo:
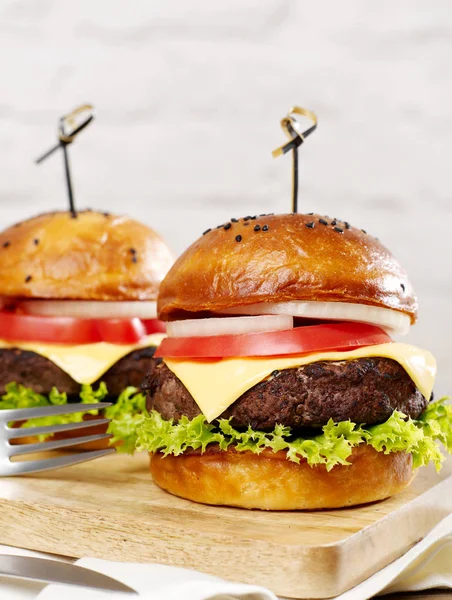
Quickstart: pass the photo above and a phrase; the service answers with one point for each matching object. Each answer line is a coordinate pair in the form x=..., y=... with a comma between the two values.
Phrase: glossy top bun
x=94, y=256
x=278, y=258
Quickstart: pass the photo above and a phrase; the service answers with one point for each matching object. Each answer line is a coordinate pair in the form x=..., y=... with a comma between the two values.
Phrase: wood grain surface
x=111, y=509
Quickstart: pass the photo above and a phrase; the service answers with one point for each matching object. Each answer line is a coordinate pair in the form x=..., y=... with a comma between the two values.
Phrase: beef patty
x=41, y=375
x=366, y=390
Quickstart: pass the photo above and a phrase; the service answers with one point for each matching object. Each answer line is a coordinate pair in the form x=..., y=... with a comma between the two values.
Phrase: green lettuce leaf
x=18, y=396
x=125, y=413
x=136, y=429
x=420, y=437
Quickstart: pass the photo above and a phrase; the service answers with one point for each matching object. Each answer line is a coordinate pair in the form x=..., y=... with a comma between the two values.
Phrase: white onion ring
x=393, y=321
x=228, y=325
x=87, y=309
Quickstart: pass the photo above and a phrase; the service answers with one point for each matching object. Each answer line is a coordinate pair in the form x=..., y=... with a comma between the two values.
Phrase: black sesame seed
x=247, y=218
x=402, y=285
x=6, y=244
x=227, y=226
x=36, y=241
x=238, y=238
x=310, y=225
x=347, y=225
x=219, y=226
x=334, y=222
x=132, y=251
x=323, y=222
x=265, y=228
x=206, y=231
x=263, y=215
x=309, y=214
x=363, y=230
x=28, y=278
x=234, y=220
x=257, y=228
x=253, y=218
x=134, y=258
x=274, y=373
x=339, y=230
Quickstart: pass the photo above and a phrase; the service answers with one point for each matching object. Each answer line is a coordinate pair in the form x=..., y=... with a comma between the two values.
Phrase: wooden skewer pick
x=69, y=126
x=290, y=127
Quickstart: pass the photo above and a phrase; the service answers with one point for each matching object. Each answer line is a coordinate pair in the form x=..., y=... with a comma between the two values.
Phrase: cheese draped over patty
x=85, y=363
x=215, y=384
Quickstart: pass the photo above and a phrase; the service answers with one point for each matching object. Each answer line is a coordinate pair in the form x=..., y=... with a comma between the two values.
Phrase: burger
x=78, y=311
x=279, y=385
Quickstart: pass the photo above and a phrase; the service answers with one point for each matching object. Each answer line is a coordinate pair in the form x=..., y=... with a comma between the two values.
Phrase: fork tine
x=23, y=414
x=18, y=432
x=55, y=445
x=46, y=464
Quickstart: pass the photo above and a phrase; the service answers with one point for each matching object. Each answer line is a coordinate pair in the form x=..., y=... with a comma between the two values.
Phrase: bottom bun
x=269, y=481
x=96, y=430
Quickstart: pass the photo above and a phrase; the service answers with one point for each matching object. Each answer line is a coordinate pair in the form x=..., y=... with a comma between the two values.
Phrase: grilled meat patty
x=366, y=390
x=41, y=375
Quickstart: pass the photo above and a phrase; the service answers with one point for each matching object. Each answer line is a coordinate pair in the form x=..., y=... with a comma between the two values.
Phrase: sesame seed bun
x=94, y=256
x=280, y=258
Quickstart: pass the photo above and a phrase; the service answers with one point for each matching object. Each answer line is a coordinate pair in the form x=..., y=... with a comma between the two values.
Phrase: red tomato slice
x=300, y=340
x=121, y=331
x=60, y=330
x=154, y=326
x=69, y=330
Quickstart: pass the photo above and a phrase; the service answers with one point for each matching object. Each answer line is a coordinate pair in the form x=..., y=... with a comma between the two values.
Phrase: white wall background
x=189, y=95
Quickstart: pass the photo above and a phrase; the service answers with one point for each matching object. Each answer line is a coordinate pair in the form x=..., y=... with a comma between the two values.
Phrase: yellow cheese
x=216, y=384
x=85, y=363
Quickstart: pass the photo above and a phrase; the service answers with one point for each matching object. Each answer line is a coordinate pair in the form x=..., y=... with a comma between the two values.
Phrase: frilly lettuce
x=125, y=413
x=18, y=396
x=420, y=437
x=136, y=429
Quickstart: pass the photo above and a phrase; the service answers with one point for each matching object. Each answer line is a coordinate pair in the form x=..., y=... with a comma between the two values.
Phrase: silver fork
x=7, y=450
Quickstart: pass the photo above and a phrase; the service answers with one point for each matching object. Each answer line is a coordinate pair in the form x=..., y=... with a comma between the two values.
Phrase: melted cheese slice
x=85, y=363
x=216, y=384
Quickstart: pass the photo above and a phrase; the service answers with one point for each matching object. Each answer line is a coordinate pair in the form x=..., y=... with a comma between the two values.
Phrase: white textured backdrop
x=189, y=95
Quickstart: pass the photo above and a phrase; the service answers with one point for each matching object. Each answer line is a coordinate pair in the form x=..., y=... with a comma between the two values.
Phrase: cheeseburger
x=279, y=385
x=78, y=308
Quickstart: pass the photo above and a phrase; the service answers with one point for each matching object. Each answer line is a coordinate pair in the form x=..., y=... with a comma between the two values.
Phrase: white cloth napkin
x=427, y=565
x=158, y=582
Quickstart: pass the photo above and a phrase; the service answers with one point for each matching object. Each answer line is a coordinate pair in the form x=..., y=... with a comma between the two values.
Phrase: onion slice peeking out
x=391, y=320
x=87, y=309
x=228, y=326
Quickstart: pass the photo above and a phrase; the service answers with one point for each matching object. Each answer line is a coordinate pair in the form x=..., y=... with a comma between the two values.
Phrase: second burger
x=78, y=307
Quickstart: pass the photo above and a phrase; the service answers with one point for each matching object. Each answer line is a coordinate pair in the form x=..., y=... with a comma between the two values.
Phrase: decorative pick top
x=291, y=128
x=69, y=126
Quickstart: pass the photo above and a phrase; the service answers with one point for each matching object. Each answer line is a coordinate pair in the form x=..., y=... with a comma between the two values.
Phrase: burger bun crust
x=269, y=481
x=93, y=256
x=282, y=258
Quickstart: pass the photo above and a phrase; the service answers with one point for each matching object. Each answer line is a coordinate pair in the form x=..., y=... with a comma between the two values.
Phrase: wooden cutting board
x=110, y=509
